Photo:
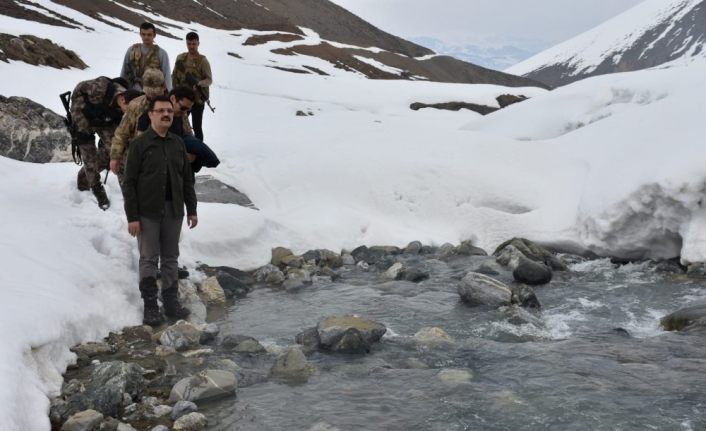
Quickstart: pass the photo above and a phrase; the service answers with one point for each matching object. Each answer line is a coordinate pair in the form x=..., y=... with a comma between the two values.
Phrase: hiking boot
x=148, y=290
x=82, y=181
x=99, y=193
x=172, y=308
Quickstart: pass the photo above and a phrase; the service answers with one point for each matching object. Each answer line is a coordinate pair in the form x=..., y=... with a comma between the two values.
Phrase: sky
x=528, y=24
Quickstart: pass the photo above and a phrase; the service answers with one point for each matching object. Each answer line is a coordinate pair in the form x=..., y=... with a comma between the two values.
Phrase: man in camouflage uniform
x=146, y=55
x=193, y=70
x=97, y=106
x=153, y=86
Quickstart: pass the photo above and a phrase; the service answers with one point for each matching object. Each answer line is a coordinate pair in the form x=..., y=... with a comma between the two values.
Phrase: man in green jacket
x=156, y=187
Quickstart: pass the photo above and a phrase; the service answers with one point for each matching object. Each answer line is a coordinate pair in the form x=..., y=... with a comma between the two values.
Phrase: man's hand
x=192, y=221
x=133, y=228
x=115, y=166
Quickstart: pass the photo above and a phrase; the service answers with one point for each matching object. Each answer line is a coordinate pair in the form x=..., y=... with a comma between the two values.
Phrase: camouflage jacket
x=136, y=63
x=93, y=107
x=127, y=129
x=190, y=70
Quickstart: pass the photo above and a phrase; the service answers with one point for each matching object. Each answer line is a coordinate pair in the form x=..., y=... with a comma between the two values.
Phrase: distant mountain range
x=497, y=58
x=342, y=38
x=650, y=34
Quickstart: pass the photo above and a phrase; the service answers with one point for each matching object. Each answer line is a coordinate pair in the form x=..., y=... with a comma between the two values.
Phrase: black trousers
x=197, y=120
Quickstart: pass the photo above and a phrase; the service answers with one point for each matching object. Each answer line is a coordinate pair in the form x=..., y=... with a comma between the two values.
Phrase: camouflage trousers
x=96, y=159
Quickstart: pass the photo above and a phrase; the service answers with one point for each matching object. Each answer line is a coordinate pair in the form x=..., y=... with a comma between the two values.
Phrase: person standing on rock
x=193, y=70
x=158, y=184
x=146, y=55
x=97, y=106
x=153, y=86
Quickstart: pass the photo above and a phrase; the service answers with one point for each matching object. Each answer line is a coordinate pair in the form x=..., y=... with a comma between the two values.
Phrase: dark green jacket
x=149, y=159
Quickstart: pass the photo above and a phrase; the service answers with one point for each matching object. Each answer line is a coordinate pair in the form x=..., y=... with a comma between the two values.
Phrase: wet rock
x=348, y=259
x=207, y=384
x=415, y=275
x=394, y=272
x=519, y=316
x=189, y=298
x=414, y=247
x=385, y=263
x=148, y=408
x=110, y=424
x=181, y=336
x=182, y=408
x=32, y=133
x=466, y=248
x=299, y=274
x=363, y=265
x=292, y=365
x=698, y=268
x=250, y=346
x=232, y=340
x=234, y=286
x=278, y=254
x=330, y=259
x=309, y=340
x=209, y=332
x=191, y=422
x=109, y=381
x=71, y=387
x=507, y=253
x=292, y=261
x=87, y=420
x=269, y=274
x=368, y=255
x=211, y=292
x=487, y=269
x=138, y=333
x=684, y=317
x=525, y=296
x=446, y=251
x=531, y=272
x=671, y=266
x=478, y=289
x=621, y=332
x=160, y=428
x=333, y=329
x=432, y=336
x=351, y=341
x=455, y=376
x=124, y=427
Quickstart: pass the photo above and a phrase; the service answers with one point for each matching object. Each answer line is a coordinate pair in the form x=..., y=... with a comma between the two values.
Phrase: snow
x=613, y=163
x=588, y=50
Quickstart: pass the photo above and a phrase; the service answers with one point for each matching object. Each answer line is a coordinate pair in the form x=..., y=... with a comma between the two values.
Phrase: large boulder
x=292, y=365
x=508, y=253
x=349, y=334
x=32, y=133
x=109, y=381
x=478, y=289
x=531, y=272
x=691, y=314
x=38, y=52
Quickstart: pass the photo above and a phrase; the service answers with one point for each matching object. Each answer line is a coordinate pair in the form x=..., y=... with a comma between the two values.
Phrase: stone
x=191, y=422
x=309, y=340
x=332, y=330
x=466, y=248
x=232, y=340
x=251, y=346
x=330, y=259
x=278, y=254
x=446, y=251
x=351, y=341
x=386, y=249
x=414, y=247
x=531, y=272
x=312, y=256
x=505, y=100
x=432, y=336
x=210, y=189
x=415, y=275
x=529, y=250
x=182, y=408
x=455, y=376
x=181, y=336
x=394, y=272
x=234, y=287
x=110, y=381
x=160, y=428
x=207, y=384
x=189, y=298
x=363, y=265
x=478, y=289
x=109, y=424
x=292, y=365
x=90, y=350
x=87, y=420
x=125, y=427
x=299, y=274
x=71, y=387
x=211, y=292
x=293, y=285
x=348, y=259
x=164, y=351
x=32, y=133
x=269, y=274
x=209, y=332
x=368, y=255
x=293, y=261
x=684, y=317
x=525, y=296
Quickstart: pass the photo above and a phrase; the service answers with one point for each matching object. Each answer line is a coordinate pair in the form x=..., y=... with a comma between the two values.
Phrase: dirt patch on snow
x=39, y=52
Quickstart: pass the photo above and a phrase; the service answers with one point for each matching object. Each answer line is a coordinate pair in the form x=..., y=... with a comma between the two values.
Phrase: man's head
x=153, y=83
x=147, y=33
x=192, y=42
x=182, y=99
x=161, y=114
x=123, y=99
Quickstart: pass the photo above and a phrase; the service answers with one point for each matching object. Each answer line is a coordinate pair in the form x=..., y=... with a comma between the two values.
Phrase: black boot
x=149, y=291
x=172, y=308
x=82, y=181
x=99, y=193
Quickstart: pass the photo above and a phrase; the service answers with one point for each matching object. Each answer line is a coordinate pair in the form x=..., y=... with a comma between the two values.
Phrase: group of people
x=146, y=139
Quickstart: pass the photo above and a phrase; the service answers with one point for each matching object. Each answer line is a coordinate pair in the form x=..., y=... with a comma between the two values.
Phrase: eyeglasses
x=163, y=111
x=184, y=108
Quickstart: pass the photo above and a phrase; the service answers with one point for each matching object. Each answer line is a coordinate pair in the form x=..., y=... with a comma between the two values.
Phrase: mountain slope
x=341, y=38
x=650, y=34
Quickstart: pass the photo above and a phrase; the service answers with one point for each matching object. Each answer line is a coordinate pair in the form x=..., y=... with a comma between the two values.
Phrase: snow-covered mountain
x=652, y=33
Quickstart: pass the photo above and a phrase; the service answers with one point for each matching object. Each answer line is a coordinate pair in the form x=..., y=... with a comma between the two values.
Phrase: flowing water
x=564, y=367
